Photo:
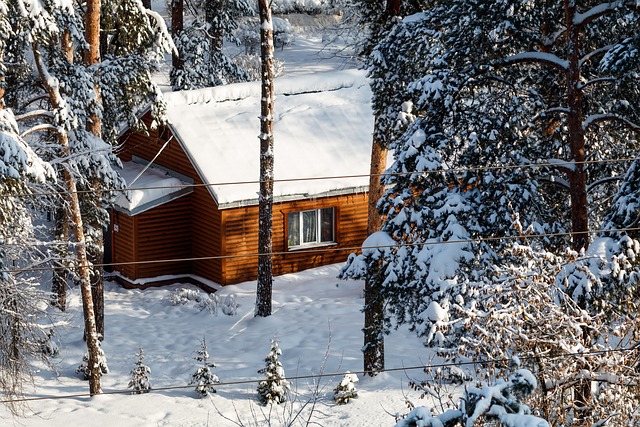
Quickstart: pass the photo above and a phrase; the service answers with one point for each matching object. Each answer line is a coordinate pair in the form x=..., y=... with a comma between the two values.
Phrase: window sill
x=311, y=246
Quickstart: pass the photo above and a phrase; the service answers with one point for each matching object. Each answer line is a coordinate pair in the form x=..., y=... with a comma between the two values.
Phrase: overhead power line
x=320, y=250
x=554, y=164
x=592, y=353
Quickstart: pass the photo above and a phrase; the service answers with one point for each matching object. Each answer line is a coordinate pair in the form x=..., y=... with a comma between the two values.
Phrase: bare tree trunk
x=577, y=184
x=96, y=252
x=577, y=174
x=60, y=274
x=146, y=4
x=93, y=348
x=177, y=25
x=373, y=349
x=265, y=278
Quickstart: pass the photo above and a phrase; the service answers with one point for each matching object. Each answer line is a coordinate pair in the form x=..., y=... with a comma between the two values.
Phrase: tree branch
x=542, y=58
x=598, y=118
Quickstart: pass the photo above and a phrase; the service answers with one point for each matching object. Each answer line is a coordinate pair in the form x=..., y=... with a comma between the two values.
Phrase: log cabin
x=190, y=212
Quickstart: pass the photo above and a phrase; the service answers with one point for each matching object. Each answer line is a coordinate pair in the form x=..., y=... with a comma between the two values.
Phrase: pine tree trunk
x=177, y=25
x=265, y=206
x=215, y=34
x=60, y=274
x=577, y=176
x=373, y=349
x=80, y=243
x=95, y=256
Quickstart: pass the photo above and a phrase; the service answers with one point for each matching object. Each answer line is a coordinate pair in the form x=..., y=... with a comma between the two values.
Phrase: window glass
x=309, y=226
x=326, y=228
x=294, y=229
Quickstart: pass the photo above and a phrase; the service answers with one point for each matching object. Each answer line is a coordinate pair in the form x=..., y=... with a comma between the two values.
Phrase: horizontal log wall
x=215, y=234
x=241, y=236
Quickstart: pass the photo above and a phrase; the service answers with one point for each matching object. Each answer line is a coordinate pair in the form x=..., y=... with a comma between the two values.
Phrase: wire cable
x=320, y=250
x=334, y=374
x=321, y=178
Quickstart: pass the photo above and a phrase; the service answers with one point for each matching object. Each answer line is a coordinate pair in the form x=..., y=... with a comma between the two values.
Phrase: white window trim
x=317, y=243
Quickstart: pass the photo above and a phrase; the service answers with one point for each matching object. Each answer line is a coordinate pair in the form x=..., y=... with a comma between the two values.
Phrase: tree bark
x=577, y=175
x=177, y=25
x=60, y=274
x=373, y=348
x=265, y=206
x=215, y=34
x=93, y=348
x=92, y=57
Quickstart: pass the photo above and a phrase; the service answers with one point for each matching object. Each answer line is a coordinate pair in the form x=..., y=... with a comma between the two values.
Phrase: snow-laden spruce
x=204, y=62
x=275, y=387
x=502, y=402
x=140, y=382
x=509, y=123
x=203, y=378
x=346, y=389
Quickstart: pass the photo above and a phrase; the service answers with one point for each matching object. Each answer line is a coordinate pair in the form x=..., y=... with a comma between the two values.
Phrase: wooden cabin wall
x=164, y=233
x=205, y=218
x=123, y=244
x=241, y=236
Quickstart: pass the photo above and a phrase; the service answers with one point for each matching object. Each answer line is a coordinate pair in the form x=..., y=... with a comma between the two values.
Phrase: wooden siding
x=241, y=237
x=226, y=240
x=158, y=234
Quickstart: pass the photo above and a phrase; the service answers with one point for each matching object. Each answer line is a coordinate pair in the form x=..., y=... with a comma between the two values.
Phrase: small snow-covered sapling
x=204, y=379
x=346, y=390
x=139, y=382
x=275, y=387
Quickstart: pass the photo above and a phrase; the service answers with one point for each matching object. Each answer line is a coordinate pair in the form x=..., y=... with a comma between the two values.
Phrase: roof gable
x=323, y=128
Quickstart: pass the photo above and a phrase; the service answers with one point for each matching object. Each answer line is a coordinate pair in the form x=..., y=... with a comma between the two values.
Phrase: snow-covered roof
x=323, y=128
x=149, y=186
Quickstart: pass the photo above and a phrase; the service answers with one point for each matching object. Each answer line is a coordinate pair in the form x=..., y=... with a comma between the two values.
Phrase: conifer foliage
x=275, y=387
x=346, y=390
x=140, y=381
x=204, y=379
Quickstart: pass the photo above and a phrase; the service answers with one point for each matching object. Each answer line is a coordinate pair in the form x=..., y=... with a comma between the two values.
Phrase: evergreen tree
x=275, y=387
x=200, y=45
x=139, y=382
x=479, y=100
x=204, y=378
x=346, y=390
x=20, y=297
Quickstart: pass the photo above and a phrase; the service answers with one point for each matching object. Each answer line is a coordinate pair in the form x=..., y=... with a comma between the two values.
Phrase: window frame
x=299, y=214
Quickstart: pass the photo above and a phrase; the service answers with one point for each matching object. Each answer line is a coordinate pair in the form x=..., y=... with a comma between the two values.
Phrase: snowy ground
x=314, y=313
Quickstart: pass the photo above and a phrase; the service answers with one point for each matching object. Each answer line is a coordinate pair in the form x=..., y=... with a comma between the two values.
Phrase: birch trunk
x=265, y=206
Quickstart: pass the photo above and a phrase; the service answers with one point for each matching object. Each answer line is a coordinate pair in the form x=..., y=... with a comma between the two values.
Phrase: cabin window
x=309, y=228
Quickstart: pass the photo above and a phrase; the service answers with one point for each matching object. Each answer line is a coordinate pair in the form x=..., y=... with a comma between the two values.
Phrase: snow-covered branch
x=33, y=114
x=38, y=128
x=598, y=118
x=596, y=12
x=542, y=58
x=604, y=181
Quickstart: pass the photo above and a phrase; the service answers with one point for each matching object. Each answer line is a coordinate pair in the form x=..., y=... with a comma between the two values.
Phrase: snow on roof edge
x=307, y=83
